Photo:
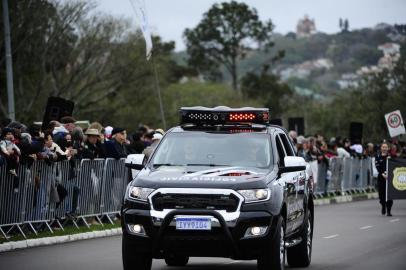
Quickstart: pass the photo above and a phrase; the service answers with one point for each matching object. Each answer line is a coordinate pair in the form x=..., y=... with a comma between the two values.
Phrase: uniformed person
x=380, y=163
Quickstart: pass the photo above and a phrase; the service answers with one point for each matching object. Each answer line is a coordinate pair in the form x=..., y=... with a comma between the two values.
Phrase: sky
x=169, y=18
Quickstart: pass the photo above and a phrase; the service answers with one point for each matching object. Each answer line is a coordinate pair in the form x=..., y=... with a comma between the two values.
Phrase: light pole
x=9, y=62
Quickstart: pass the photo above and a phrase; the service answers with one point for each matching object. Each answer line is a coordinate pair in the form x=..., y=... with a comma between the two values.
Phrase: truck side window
x=287, y=145
x=281, y=151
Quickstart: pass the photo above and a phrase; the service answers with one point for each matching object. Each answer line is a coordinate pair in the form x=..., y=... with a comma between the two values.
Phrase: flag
x=142, y=17
x=396, y=184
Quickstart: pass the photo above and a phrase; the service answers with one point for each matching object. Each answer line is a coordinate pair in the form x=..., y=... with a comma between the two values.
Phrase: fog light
x=255, y=231
x=136, y=229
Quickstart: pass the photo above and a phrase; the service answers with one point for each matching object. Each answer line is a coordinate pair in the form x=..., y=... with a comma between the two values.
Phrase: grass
x=68, y=230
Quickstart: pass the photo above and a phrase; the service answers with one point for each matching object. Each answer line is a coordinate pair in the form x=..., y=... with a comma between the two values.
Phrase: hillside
x=321, y=64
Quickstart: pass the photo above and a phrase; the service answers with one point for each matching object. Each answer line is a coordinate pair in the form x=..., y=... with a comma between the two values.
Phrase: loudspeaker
x=276, y=121
x=56, y=109
x=296, y=124
x=356, y=132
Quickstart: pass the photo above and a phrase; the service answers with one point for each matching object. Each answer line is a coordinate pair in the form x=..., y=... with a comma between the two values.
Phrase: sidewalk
x=46, y=241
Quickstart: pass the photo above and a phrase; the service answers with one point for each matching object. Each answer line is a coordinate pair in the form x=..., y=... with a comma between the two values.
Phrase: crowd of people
x=64, y=140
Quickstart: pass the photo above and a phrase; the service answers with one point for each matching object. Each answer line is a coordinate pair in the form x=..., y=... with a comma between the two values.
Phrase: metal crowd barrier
x=46, y=194
x=344, y=175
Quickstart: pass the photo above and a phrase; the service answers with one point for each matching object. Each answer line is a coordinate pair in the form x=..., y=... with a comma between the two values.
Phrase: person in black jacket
x=380, y=164
x=92, y=147
x=116, y=148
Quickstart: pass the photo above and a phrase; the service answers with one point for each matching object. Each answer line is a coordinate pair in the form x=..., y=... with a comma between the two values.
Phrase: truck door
x=288, y=181
x=300, y=181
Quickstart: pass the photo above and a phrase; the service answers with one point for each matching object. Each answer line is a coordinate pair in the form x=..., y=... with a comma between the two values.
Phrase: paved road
x=347, y=236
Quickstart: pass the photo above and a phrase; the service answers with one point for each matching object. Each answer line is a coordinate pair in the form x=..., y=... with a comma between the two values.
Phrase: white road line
x=394, y=220
x=331, y=236
x=365, y=227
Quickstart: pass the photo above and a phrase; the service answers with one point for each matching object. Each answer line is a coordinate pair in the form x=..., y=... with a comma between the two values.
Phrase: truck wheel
x=173, y=260
x=133, y=260
x=301, y=255
x=273, y=258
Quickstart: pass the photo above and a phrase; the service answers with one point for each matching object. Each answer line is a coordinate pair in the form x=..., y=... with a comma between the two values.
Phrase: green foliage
x=68, y=50
x=267, y=89
x=224, y=36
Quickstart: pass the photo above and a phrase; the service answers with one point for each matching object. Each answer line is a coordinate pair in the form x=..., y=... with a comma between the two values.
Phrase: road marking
x=331, y=236
x=394, y=220
x=365, y=227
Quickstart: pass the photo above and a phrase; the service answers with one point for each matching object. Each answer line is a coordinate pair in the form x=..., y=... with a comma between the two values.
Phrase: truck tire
x=273, y=257
x=133, y=260
x=176, y=260
x=301, y=255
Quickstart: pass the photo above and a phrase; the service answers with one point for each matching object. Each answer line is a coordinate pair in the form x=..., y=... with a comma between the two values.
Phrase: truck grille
x=195, y=201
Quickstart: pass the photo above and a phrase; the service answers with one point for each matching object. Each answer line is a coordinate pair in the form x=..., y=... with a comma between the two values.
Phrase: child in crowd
x=9, y=150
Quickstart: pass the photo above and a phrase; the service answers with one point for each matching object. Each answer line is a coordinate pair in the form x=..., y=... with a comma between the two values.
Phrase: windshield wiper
x=165, y=164
x=209, y=165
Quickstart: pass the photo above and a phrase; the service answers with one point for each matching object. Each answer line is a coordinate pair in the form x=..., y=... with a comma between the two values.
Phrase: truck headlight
x=139, y=193
x=255, y=195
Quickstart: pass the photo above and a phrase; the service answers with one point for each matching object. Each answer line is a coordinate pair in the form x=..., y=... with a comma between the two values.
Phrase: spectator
x=68, y=124
x=341, y=152
x=357, y=148
x=324, y=160
x=115, y=148
x=303, y=148
x=96, y=125
x=10, y=150
x=137, y=145
x=347, y=146
x=77, y=142
x=51, y=151
x=108, y=133
x=156, y=138
x=92, y=148
x=28, y=151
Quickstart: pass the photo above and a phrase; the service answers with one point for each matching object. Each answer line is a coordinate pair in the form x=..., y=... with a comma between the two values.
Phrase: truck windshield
x=214, y=149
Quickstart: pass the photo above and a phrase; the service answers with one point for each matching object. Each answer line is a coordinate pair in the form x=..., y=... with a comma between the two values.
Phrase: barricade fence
x=344, y=175
x=45, y=195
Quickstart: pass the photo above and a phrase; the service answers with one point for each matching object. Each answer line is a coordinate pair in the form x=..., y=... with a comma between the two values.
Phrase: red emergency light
x=223, y=115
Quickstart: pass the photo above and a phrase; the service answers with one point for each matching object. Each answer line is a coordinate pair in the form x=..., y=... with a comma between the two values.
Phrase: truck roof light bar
x=223, y=115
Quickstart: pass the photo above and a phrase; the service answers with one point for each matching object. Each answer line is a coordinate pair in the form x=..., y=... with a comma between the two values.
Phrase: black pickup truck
x=225, y=183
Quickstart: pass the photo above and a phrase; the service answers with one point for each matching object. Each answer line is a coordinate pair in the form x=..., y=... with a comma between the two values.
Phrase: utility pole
x=9, y=62
x=158, y=89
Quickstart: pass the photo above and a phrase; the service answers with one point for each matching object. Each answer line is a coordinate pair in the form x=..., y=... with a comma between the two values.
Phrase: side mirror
x=135, y=161
x=292, y=164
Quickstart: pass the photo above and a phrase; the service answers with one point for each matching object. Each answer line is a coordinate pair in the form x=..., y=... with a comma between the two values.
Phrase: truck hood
x=202, y=177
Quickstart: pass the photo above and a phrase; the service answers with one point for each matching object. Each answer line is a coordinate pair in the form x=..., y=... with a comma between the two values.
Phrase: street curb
x=347, y=198
x=47, y=241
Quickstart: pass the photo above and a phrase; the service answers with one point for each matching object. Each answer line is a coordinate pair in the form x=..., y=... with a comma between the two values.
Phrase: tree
x=346, y=25
x=224, y=36
x=267, y=89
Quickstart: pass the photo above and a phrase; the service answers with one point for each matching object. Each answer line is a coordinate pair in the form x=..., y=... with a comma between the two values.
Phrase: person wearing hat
x=116, y=147
x=156, y=138
x=92, y=148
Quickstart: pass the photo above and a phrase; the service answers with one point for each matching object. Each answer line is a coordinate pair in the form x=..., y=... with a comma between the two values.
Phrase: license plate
x=193, y=223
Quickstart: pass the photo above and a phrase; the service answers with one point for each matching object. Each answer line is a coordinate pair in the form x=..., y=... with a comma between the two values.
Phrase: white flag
x=141, y=13
x=395, y=124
